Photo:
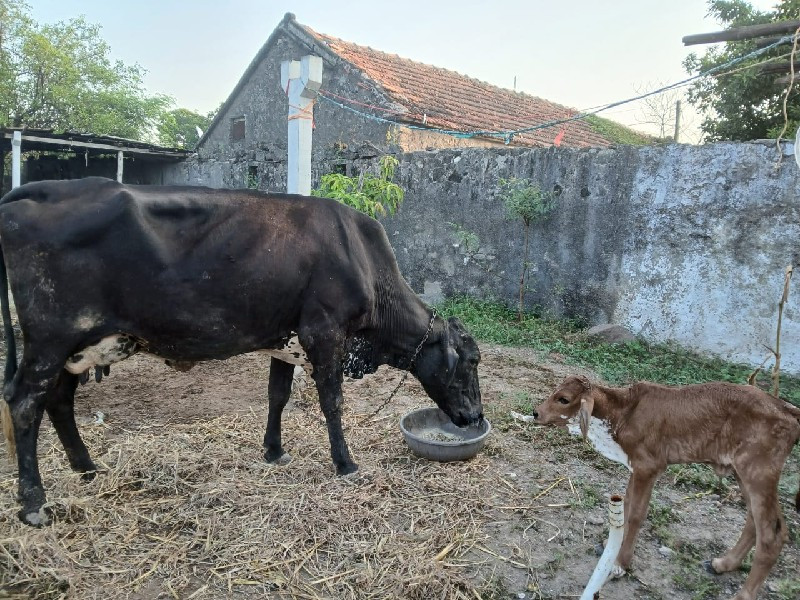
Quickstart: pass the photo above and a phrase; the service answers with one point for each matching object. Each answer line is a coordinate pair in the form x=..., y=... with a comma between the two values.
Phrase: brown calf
x=737, y=429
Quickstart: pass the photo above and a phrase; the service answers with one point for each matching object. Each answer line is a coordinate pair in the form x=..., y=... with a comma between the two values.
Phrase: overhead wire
x=508, y=135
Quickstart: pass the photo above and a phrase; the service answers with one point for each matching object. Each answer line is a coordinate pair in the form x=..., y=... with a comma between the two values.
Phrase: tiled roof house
x=438, y=98
x=249, y=134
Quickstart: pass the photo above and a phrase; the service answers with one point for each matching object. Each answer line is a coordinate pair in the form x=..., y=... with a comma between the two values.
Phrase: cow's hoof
x=88, y=475
x=617, y=572
x=346, y=469
x=283, y=459
x=34, y=518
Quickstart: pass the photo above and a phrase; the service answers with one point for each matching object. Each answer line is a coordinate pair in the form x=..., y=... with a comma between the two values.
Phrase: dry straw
x=192, y=511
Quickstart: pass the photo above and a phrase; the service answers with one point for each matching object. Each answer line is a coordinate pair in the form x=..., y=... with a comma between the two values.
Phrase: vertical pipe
x=677, y=121
x=16, y=159
x=119, y=166
x=300, y=80
x=616, y=528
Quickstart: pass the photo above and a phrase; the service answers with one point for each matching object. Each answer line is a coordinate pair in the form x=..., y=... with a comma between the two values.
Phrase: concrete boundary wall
x=678, y=243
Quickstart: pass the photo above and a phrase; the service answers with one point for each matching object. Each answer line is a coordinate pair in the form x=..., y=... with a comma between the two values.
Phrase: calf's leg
x=735, y=556
x=637, y=500
x=280, y=386
x=60, y=408
x=770, y=532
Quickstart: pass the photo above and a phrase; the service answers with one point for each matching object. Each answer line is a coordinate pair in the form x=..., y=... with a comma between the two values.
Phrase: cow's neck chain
x=410, y=365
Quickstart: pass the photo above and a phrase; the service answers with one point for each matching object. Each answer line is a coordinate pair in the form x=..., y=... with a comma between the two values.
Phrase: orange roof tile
x=445, y=99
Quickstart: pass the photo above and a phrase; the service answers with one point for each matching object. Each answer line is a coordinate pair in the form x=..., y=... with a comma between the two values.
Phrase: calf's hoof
x=716, y=566
x=283, y=459
x=708, y=565
x=617, y=572
x=346, y=469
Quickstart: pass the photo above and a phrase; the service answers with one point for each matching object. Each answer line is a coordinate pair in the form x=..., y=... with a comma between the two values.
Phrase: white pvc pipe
x=16, y=158
x=120, y=162
x=616, y=523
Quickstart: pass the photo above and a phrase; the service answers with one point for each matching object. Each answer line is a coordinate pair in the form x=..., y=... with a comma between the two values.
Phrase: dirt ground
x=536, y=523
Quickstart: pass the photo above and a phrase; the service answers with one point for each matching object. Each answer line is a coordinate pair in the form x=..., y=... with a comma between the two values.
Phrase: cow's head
x=572, y=397
x=447, y=367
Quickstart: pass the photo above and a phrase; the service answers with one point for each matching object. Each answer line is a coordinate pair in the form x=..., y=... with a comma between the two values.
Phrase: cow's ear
x=452, y=362
x=585, y=414
x=456, y=324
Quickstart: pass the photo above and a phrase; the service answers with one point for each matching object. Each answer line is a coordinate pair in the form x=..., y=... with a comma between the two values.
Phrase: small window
x=237, y=129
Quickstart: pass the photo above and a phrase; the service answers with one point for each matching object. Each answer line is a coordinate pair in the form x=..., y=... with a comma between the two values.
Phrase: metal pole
x=301, y=80
x=677, y=120
x=16, y=159
x=119, y=166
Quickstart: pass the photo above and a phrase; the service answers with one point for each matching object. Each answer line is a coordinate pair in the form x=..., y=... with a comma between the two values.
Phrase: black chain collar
x=410, y=365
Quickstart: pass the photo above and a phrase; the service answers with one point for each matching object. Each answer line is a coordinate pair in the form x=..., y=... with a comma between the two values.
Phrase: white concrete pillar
x=119, y=166
x=301, y=80
x=16, y=159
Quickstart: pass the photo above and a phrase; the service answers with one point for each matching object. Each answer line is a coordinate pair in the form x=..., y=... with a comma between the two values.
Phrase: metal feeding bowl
x=431, y=434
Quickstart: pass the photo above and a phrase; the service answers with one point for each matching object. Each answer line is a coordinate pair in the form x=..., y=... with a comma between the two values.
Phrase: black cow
x=100, y=270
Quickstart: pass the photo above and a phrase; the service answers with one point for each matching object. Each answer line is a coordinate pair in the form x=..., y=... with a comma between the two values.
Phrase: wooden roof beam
x=781, y=67
x=67, y=145
x=742, y=33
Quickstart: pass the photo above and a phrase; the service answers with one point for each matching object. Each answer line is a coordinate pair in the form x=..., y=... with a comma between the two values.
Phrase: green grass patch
x=618, y=364
x=588, y=496
x=619, y=134
x=698, y=477
x=787, y=589
x=691, y=576
x=661, y=516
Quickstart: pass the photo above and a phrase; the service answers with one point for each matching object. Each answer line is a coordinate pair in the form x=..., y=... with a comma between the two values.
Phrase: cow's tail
x=11, y=349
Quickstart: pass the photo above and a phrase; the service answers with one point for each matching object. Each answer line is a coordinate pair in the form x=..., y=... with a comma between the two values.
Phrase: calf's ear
x=585, y=414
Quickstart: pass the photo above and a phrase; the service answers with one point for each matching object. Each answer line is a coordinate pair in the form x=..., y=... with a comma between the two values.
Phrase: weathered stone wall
x=339, y=137
x=678, y=243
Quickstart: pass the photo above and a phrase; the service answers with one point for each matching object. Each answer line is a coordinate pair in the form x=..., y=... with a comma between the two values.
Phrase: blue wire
x=509, y=135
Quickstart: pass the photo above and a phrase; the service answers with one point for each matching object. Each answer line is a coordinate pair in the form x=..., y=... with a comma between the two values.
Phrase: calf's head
x=447, y=367
x=573, y=397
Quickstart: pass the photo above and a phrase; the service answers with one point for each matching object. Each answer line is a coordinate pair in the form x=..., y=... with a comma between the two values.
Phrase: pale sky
x=580, y=53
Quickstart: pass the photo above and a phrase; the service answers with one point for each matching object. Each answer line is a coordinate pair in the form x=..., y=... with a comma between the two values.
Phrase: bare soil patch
x=188, y=509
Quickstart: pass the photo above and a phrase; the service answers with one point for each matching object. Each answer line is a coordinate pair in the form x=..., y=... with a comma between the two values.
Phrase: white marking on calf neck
x=599, y=436
x=111, y=349
x=292, y=353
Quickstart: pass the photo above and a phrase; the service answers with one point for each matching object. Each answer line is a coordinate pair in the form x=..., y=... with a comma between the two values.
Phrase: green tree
x=742, y=105
x=525, y=201
x=62, y=77
x=178, y=128
x=370, y=194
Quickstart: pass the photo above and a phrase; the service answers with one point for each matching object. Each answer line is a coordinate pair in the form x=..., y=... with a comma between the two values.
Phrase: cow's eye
x=563, y=400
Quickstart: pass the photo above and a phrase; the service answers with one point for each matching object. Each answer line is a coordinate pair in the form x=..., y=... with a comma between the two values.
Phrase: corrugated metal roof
x=72, y=141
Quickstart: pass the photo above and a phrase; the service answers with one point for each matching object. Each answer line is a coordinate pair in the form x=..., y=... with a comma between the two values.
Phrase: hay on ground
x=192, y=510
